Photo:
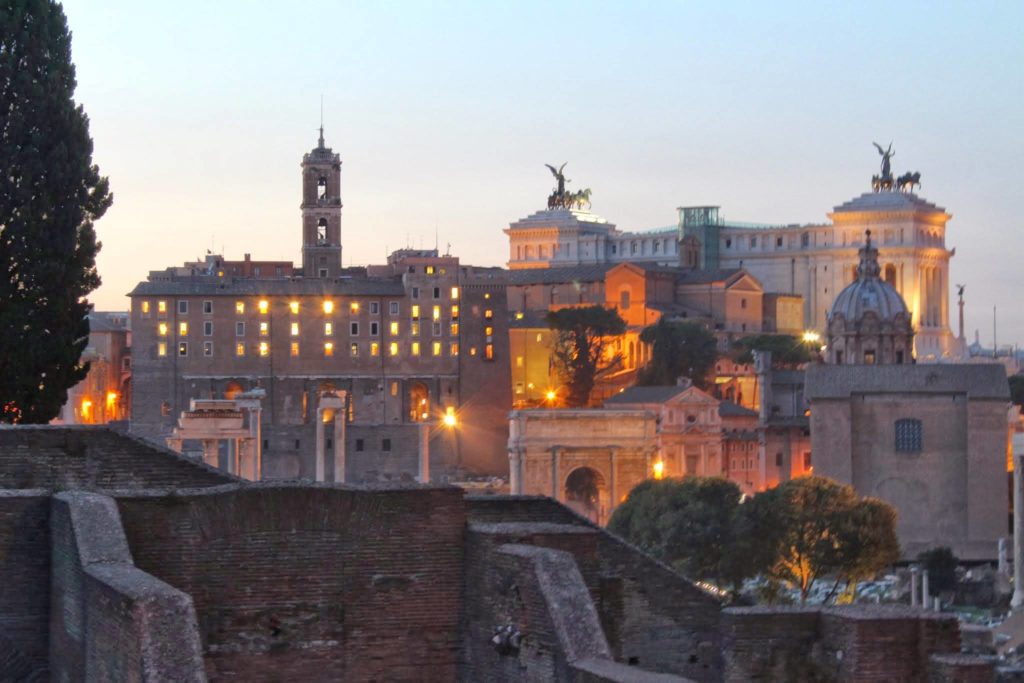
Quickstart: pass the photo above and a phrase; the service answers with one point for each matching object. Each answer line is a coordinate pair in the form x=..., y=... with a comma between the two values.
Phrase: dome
x=869, y=292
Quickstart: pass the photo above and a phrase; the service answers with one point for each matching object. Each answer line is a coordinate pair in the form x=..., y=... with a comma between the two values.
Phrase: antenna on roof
x=321, y=120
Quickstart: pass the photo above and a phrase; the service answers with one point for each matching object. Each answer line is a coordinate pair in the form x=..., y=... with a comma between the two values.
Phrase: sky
x=444, y=115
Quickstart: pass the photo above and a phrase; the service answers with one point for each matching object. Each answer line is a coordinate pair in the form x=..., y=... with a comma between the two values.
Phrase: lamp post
x=449, y=421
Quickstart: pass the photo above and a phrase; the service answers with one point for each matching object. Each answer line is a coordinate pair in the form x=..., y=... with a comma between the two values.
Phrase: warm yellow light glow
x=328, y=329
x=328, y=349
x=239, y=307
x=161, y=349
x=183, y=329
x=240, y=348
x=449, y=417
x=659, y=469
x=393, y=348
x=111, y=400
x=161, y=329
x=295, y=329
x=519, y=315
x=264, y=349
x=161, y=306
x=374, y=349
x=328, y=306
x=550, y=395
x=264, y=305
x=394, y=329
x=295, y=349
x=487, y=295
x=145, y=307
x=436, y=348
x=415, y=348
x=415, y=310
x=354, y=307
x=437, y=313
x=294, y=307
x=455, y=292
x=86, y=409
x=264, y=329
x=811, y=337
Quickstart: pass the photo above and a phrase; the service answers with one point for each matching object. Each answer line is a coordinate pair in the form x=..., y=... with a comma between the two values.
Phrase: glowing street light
x=811, y=337
x=659, y=469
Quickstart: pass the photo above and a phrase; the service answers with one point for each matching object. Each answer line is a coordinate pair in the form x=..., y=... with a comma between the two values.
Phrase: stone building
x=405, y=343
x=105, y=393
x=929, y=439
x=813, y=262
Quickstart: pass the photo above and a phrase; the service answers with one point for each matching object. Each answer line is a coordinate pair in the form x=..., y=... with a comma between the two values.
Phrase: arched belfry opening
x=586, y=493
x=321, y=212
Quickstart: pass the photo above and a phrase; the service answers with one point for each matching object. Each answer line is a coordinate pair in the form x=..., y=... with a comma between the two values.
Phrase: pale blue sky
x=444, y=114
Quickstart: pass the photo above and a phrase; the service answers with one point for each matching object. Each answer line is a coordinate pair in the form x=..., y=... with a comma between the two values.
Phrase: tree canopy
x=785, y=349
x=581, y=340
x=678, y=350
x=50, y=194
x=1017, y=389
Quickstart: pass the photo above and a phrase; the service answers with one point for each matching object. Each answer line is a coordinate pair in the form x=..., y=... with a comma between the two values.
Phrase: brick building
x=105, y=393
x=404, y=343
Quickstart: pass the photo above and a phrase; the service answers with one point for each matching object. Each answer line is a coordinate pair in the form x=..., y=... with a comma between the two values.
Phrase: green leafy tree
x=678, y=350
x=581, y=340
x=687, y=523
x=785, y=349
x=50, y=194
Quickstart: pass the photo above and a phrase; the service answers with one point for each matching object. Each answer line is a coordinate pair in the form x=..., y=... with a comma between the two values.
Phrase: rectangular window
x=161, y=349
x=437, y=292
x=519, y=361
x=393, y=308
x=182, y=348
x=488, y=314
x=453, y=349
x=207, y=308
x=145, y=309
x=489, y=352
x=415, y=348
x=264, y=349
x=328, y=349
x=394, y=328
x=239, y=349
x=909, y=436
x=374, y=349
x=264, y=306
x=415, y=312
x=429, y=270
x=353, y=329
x=208, y=348
x=353, y=349
x=293, y=306
x=394, y=388
x=489, y=331
x=353, y=307
x=385, y=444
x=295, y=329
x=328, y=306
x=393, y=348
x=374, y=329
x=207, y=328
x=182, y=307
x=436, y=348
x=161, y=307
x=436, y=329
x=161, y=329
x=455, y=292
x=264, y=329
x=239, y=307
x=360, y=445
x=414, y=329
x=239, y=329
x=436, y=313
x=374, y=308
x=182, y=329
x=454, y=329
x=294, y=350
x=455, y=312
x=415, y=292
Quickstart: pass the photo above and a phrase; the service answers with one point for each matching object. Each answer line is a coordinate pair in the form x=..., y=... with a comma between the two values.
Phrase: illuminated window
x=394, y=388
x=161, y=306
x=437, y=313
x=264, y=329
x=453, y=349
x=472, y=350
x=519, y=361
x=328, y=349
x=454, y=329
x=264, y=349
x=489, y=351
x=488, y=314
x=293, y=306
x=328, y=306
x=264, y=305
x=182, y=348
x=145, y=308
x=374, y=349
x=393, y=348
x=353, y=349
x=429, y=270
x=183, y=329
x=415, y=311
x=295, y=329
x=239, y=349
x=208, y=348
x=328, y=329
x=394, y=328
x=161, y=329
x=393, y=308
x=415, y=348
x=414, y=329
x=488, y=331
x=183, y=307
x=239, y=307
x=455, y=312
x=294, y=350
x=455, y=292
x=161, y=348
x=239, y=329
x=436, y=348
x=354, y=307
x=487, y=295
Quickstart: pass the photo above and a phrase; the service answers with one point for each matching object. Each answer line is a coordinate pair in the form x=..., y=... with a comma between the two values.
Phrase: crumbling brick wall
x=323, y=582
x=24, y=585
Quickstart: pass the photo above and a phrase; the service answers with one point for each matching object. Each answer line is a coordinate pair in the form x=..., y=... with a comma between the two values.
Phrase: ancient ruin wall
x=324, y=582
x=24, y=587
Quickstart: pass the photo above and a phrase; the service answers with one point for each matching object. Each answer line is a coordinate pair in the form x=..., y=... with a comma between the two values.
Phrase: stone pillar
x=340, y=426
x=1017, y=601
x=232, y=451
x=424, y=453
x=319, y=454
x=515, y=479
x=612, y=489
x=1003, y=565
x=257, y=445
x=210, y=451
x=913, y=586
x=926, y=594
x=555, y=457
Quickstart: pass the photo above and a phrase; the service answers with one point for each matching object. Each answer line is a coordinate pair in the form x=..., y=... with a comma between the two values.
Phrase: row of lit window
x=394, y=329
x=263, y=349
x=263, y=305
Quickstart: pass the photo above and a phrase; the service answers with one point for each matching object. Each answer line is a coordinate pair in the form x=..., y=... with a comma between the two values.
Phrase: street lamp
x=449, y=421
x=812, y=337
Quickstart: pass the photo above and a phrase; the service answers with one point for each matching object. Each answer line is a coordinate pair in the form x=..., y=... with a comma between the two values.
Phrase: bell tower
x=321, y=212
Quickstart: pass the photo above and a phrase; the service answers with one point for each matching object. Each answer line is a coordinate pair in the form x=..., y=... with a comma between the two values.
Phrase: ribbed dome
x=869, y=292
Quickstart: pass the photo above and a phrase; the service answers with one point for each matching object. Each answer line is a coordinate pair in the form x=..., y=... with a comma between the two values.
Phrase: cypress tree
x=50, y=194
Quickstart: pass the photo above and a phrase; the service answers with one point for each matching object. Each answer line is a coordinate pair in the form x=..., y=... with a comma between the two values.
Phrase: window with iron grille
x=908, y=436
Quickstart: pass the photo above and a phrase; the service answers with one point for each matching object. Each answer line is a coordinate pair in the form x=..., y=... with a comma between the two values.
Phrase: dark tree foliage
x=786, y=350
x=581, y=340
x=941, y=566
x=678, y=350
x=687, y=523
x=50, y=194
x=1017, y=389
